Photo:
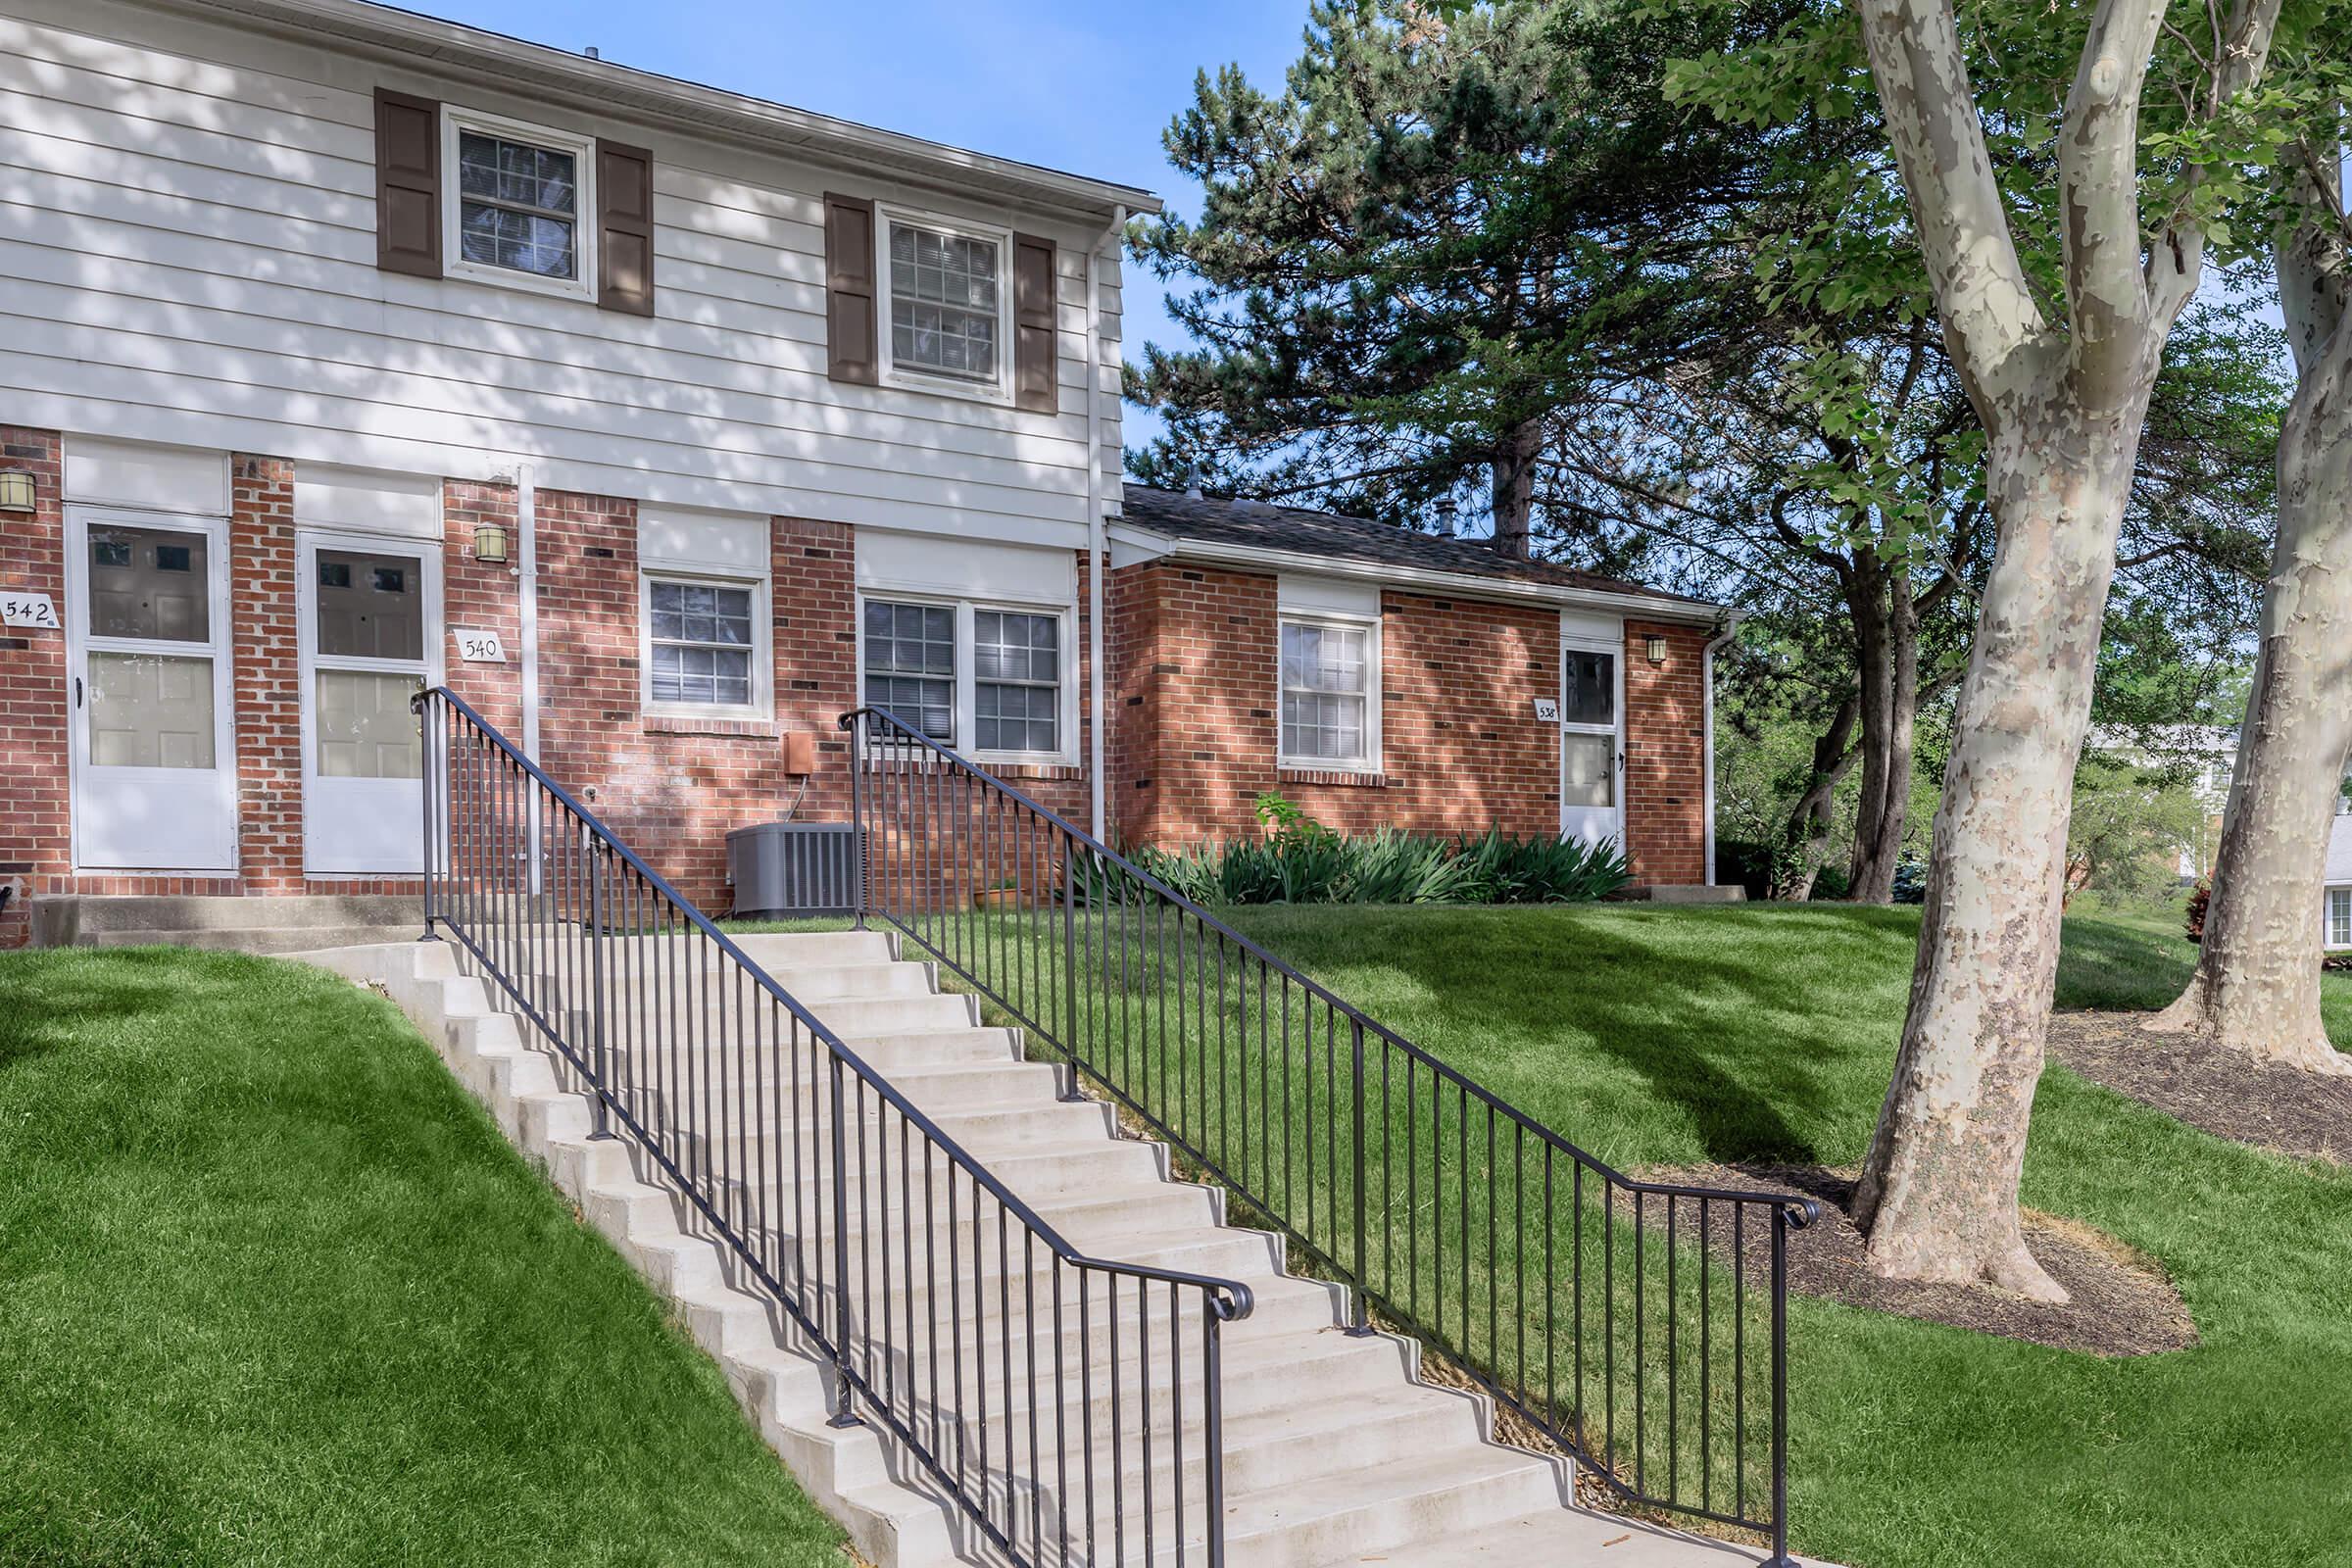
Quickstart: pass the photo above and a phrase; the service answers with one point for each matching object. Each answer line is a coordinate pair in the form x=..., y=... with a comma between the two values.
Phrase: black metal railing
x=1070, y=1407
x=1641, y=1325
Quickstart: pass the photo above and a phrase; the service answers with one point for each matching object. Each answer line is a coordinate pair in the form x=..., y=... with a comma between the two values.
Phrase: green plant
x=1302, y=861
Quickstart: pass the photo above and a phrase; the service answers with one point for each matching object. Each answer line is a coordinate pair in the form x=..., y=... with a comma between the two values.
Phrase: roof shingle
x=1264, y=526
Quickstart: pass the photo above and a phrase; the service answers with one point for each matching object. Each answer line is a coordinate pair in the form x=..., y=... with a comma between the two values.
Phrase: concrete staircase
x=1335, y=1452
x=290, y=923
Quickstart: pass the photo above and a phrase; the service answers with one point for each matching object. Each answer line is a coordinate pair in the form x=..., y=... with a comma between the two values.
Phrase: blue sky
x=1084, y=85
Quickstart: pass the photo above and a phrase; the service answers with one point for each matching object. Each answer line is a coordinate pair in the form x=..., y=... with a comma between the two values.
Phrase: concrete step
x=60, y=918
x=247, y=939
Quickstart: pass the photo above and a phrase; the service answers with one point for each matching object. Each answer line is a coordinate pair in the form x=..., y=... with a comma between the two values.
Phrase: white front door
x=370, y=632
x=1592, y=745
x=154, y=746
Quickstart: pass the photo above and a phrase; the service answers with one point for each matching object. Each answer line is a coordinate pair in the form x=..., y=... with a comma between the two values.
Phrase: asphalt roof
x=1264, y=526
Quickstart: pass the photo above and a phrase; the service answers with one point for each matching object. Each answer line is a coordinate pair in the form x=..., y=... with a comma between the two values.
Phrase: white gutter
x=1098, y=535
x=1706, y=697
x=526, y=565
x=608, y=87
x=1458, y=584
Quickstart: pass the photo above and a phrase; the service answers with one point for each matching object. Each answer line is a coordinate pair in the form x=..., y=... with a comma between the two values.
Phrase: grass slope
x=1674, y=1035
x=273, y=1290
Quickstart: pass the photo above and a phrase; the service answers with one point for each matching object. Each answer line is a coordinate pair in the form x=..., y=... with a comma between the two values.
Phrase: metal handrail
x=543, y=856
x=883, y=742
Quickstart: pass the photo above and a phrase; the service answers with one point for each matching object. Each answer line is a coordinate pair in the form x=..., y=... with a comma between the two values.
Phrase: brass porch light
x=1655, y=647
x=18, y=491
x=490, y=543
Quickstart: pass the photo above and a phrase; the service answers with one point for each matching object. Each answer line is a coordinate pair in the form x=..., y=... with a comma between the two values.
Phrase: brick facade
x=34, y=806
x=1194, y=671
x=1193, y=701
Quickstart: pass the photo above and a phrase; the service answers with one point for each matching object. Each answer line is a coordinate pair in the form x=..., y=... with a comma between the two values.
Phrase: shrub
x=1300, y=861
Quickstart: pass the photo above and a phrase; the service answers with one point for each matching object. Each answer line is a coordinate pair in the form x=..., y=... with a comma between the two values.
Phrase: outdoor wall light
x=1655, y=646
x=490, y=543
x=18, y=491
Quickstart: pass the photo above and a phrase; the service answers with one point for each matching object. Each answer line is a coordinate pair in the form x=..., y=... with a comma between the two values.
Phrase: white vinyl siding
x=188, y=257
x=1329, y=678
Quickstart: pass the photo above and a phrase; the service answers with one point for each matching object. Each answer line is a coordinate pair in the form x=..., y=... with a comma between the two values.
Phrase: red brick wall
x=265, y=674
x=481, y=596
x=34, y=845
x=1194, y=673
x=1665, y=755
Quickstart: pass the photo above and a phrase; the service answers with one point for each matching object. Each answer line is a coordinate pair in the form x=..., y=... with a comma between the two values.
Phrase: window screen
x=1016, y=692
x=701, y=643
x=1589, y=688
x=518, y=205
x=943, y=303
x=1325, y=683
x=911, y=665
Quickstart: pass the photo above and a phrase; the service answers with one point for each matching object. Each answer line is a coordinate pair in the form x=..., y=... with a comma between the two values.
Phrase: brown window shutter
x=624, y=229
x=851, y=354
x=408, y=184
x=1033, y=368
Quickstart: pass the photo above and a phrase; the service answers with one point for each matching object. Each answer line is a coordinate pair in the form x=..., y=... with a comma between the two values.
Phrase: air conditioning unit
x=785, y=869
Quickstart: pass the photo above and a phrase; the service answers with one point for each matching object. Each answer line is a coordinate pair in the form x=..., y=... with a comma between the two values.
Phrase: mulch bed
x=2284, y=1109
x=2123, y=1304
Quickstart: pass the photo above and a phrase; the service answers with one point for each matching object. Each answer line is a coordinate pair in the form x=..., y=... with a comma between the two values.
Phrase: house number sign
x=1548, y=710
x=480, y=646
x=28, y=610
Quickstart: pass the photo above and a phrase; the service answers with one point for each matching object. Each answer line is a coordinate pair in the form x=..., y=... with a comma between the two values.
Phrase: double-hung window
x=1329, y=719
x=519, y=210
x=947, y=293
x=1017, y=681
x=911, y=664
x=2339, y=917
x=988, y=678
x=705, y=647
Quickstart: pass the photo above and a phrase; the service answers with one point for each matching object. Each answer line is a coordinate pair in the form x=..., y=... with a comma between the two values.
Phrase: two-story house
x=348, y=349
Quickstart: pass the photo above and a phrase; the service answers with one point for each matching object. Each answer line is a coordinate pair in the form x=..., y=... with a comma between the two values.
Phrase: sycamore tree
x=2055, y=303
x=2256, y=987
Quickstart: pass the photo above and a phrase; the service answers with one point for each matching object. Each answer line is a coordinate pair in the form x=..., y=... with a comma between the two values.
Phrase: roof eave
x=609, y=86
x=1460, y=584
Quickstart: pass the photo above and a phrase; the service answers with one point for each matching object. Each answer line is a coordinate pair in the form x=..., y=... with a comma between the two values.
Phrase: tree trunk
x=1807, y=838
x=1890, y=724
x=1514, y=487
x=2256, y=988
x=1938, y=1190
x=2062, y=408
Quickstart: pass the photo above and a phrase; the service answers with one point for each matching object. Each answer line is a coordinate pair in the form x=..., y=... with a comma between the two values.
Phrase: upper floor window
x=947, y=297
x=1328, y=716
x=514, y=211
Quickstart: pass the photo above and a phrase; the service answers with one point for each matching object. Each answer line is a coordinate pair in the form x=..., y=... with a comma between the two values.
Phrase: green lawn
x=274, y=1291
x=1658, y=1035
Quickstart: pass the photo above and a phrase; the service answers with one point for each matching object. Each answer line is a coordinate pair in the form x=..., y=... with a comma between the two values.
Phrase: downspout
x=1097, y=554
x=527, y=564
x=1706, y=684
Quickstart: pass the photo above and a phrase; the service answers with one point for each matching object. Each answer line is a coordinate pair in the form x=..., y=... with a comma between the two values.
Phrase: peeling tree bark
x=2256, y=989
x=2062, y=409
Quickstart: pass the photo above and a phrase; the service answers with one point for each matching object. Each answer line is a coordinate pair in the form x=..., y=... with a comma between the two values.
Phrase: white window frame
x=916, y=378
x=967, y=675
x=454, y=120
x=763, y=705
x=1375, y=674
x=2328, y=907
